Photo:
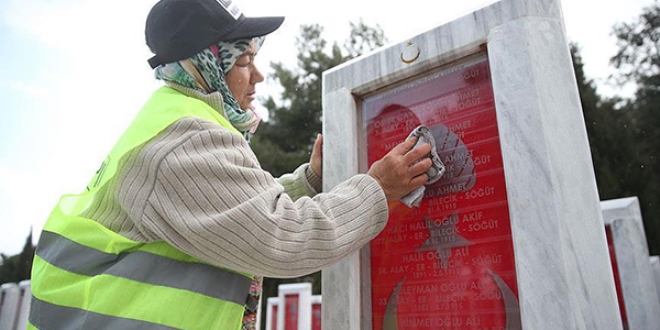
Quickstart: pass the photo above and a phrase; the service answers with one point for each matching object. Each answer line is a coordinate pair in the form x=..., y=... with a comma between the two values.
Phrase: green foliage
x=285, y=141
x=18, y=267
x=638, y=60
x=610, y=135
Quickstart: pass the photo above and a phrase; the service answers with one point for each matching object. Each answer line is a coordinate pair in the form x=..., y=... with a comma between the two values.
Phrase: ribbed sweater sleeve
x=302, y=182
x=211, y=199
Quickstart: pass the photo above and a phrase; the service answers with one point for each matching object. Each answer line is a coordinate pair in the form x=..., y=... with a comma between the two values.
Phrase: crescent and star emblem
x=407, y=58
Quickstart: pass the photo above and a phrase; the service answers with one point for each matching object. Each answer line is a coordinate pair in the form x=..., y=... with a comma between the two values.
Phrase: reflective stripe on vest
x=85, y=276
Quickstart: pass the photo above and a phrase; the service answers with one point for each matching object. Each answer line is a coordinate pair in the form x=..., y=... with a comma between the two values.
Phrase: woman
x=180, y=223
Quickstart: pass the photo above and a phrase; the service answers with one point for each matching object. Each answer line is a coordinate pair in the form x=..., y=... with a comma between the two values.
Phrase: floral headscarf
x=203, y=76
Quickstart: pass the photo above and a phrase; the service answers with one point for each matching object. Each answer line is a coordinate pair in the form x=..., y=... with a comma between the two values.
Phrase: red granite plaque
x=291, y=311
x=273, y=320
x=316, y=316
x=448, y=264
x=617, y=278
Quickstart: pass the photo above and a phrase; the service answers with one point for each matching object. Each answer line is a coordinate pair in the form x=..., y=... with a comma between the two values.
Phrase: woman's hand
x=316, y=159
x=401, y=170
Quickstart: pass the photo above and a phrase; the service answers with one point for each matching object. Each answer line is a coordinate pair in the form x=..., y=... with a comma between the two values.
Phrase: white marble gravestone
x=24, y=310
x=10, y=302
x=655, y=267
x=511, y=237
x=294, y=309
x=640, y=303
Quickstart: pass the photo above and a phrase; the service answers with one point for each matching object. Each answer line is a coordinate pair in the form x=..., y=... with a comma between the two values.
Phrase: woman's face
x=242, y=77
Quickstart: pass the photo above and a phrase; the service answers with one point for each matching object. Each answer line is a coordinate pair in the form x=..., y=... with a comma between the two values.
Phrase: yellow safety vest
x=86, y=276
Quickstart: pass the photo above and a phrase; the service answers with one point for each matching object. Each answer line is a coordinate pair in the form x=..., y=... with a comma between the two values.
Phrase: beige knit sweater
x=200, y=188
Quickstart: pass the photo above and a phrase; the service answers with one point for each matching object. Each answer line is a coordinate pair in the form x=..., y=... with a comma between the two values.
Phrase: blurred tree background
x=16, y=268
x=285, y=140
x=624, y=134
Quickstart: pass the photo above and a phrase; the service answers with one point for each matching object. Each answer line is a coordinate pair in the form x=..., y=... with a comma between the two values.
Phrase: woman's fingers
x=316, y=159
x=405, y=146
x=403, y=169
x=420, y=168
x=419, y=180
x=418, y=152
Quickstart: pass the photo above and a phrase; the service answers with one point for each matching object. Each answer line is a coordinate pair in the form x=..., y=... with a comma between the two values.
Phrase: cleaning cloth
x=435, y=172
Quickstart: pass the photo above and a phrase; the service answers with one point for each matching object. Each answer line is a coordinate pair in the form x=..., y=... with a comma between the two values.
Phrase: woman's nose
x=257, y=77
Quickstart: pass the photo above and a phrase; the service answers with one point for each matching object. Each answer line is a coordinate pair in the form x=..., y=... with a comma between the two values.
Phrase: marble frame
x=564, y=276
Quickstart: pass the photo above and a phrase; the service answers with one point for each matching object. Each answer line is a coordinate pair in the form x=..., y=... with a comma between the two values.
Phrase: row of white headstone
x=14, y=305
x=637, y=277
x=301, y=310
x=294, y=308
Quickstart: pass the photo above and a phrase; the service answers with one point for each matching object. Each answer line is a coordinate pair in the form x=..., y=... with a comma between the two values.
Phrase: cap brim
x=255, y=27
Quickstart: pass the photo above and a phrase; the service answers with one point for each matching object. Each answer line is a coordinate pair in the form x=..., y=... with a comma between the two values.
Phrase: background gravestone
x=272, y=306
x=655, y=267
x=294, y=310
x=638, y=299
x=10, y=300
x=511, y=237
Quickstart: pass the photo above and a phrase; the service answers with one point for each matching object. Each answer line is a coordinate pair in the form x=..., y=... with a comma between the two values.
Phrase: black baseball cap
x=179, y=29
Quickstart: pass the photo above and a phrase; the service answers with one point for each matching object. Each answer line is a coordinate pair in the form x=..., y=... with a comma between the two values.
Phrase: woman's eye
x=244, y=61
